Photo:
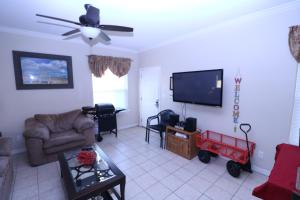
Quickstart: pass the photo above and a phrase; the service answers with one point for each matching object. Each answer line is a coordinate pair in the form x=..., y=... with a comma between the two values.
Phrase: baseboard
x=255, y=168
x=128, y=126
x=22, y=150
x=265, y=172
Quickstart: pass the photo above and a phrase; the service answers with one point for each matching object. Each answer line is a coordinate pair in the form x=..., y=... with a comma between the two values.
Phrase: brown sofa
x=6, y=168
x=47, y=135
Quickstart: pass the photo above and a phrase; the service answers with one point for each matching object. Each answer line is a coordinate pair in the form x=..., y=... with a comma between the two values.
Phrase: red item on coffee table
x=86, y=157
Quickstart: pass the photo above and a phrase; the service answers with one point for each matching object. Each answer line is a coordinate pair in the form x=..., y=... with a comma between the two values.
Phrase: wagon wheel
x=233, y=168
x=204, y=156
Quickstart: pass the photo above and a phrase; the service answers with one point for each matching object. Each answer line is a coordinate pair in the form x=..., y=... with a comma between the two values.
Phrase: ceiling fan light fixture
x=90, y=32
x=89, y=25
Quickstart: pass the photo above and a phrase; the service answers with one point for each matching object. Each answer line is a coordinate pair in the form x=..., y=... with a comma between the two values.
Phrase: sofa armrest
x=35, y=129
x=5, y=146
x=82, y=123
x=89, y=135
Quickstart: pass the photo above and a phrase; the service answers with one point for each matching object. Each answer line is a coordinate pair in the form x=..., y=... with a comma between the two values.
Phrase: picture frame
x=42, y=71
x=171, y=83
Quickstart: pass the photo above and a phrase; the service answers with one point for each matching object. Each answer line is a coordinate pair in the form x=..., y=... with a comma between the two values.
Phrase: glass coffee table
x=85, y=182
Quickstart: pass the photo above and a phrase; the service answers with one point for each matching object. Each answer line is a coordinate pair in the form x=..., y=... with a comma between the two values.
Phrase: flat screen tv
x=198, y=87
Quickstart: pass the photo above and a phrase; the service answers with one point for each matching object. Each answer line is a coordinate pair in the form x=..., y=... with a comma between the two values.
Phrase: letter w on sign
x=238, y=80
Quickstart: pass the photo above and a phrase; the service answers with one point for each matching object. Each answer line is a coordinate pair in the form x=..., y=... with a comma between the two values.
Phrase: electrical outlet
x=260, y=154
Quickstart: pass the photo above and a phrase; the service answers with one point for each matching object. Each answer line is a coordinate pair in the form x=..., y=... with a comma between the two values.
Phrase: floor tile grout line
x=240, y=186
x=185, y=182
x=160, y=180
x=213, y=184
x=111, y=145
x=14, y=181
x=220, y=176
x=37, y=177
x=181, y=167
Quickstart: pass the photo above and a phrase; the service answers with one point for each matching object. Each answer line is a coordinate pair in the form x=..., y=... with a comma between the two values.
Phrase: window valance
x=294, y=42
x=118, y=66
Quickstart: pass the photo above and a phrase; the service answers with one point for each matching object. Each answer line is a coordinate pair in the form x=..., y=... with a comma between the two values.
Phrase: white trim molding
x=128, y=126
x=260, y=170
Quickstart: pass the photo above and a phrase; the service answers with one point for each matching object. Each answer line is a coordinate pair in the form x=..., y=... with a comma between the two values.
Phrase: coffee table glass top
x=86, y=176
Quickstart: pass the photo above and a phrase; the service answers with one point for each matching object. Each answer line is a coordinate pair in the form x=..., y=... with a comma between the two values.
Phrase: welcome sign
x=236, y=101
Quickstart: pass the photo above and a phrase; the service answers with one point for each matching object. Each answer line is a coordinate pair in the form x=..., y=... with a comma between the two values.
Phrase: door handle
x=157, y=103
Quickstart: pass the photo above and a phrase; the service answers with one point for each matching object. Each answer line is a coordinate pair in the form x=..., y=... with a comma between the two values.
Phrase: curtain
x=294, y=42
x=118, y=66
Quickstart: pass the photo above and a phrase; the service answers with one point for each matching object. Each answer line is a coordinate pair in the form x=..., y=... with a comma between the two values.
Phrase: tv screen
x=198, y=87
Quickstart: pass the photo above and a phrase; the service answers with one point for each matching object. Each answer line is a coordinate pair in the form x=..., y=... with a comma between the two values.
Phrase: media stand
x=185, y=147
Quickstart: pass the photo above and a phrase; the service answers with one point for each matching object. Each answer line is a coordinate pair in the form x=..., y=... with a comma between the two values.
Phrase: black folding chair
x=163, y=119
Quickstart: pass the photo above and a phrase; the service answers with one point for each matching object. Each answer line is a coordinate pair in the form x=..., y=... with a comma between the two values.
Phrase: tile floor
x=152, y=174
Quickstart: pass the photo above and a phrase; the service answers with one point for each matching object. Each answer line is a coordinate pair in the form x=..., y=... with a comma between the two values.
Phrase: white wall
x=256, y=44
x=17, y=105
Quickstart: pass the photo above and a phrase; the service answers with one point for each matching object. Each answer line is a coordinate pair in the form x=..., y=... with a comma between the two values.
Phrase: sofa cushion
x=35, y=129
x=66, y=137
x=4, y=164
x=58, y=122
x=83, y=122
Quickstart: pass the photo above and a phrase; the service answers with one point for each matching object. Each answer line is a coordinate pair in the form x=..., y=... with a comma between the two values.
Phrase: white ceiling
x=153, y=21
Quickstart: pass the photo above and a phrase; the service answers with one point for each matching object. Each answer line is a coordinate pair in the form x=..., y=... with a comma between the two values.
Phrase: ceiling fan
x=90, y=25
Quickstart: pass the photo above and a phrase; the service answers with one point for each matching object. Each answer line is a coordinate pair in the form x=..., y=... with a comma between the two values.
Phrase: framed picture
x=42, y=71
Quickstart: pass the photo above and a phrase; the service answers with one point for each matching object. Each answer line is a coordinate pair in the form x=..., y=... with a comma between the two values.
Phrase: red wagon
x=238, y=150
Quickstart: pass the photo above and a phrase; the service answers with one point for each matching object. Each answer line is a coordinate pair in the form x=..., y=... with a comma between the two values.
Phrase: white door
x=149, y=93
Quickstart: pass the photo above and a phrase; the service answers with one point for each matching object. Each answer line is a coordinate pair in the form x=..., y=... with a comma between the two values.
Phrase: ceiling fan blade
x=55, y=18
x=71, y=32
x=104, y=36
x=116, y=28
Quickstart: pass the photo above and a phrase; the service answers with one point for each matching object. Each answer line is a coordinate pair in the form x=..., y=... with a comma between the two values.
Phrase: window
x=111, y=89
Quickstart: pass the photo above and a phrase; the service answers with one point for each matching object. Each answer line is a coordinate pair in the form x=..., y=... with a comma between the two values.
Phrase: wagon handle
x=245, y=128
